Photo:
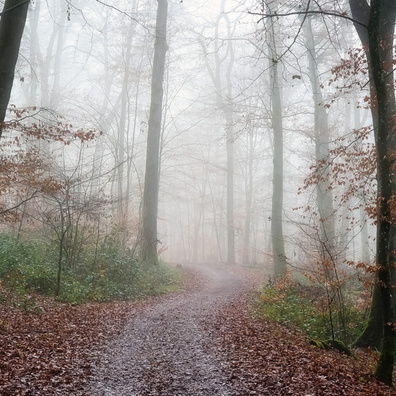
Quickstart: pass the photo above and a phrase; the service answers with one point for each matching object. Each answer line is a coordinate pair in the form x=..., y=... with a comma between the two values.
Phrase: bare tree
x=151, y=185
x=224, y=59
x=324, y=197
x=278, y=245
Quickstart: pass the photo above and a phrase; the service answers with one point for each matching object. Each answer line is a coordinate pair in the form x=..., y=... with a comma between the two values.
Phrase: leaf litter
x=203, y=341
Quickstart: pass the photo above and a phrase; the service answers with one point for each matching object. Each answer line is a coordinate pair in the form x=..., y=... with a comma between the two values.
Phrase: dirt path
x=164, y=350
x=204, y=341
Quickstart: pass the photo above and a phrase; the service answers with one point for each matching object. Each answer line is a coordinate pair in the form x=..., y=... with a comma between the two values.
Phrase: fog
x=90, y=62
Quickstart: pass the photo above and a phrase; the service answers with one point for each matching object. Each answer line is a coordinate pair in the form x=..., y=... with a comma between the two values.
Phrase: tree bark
x=380, y=18
x=381, y=35
x=278, y=245
x=12, y=24
x=151, y=185
x=373, y=333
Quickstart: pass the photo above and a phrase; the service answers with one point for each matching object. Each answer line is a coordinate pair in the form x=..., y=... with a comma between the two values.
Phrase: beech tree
x=151, y=183
x=278, y=244
x=375, y=24
x=12, y=24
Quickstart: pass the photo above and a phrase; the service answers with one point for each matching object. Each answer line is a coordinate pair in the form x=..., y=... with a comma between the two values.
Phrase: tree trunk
x=223, y=66
x=33, y=55
x=12, y=24
x=278, y=245
x=248, y=197
x=381, y=35
x=123, y=129
x=60, y=42
x=230, y=180
x=378, y=41
x=324, y=198
x=151, y=185
x=374, y=330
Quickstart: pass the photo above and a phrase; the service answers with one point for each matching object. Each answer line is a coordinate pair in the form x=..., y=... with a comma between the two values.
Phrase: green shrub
x=24, y=265
x=305, y=307
x=106, y=274
x=157, y=279
x=288, y=307
x=73, y=291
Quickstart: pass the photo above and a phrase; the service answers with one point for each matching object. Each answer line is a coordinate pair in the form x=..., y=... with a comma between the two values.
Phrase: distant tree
x=324, y=197
x=278, y=244
x=220, y=73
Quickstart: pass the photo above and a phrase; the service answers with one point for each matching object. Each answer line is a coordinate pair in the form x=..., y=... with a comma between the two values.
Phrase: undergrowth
x=101, y=275
x=308, y=308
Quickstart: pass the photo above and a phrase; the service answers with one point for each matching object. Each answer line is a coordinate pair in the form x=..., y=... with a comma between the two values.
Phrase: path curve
x=165, y=349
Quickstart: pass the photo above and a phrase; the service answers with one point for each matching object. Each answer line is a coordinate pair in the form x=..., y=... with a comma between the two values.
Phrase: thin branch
x=34, y=195
x=328, y=13
x=121, y=12
x=305, y=15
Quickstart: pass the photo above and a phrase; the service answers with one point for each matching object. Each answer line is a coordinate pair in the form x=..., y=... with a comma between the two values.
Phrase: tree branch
x=34, y=195
x=312, y=12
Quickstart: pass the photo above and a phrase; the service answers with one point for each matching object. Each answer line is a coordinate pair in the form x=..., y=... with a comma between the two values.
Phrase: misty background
x=233, y=83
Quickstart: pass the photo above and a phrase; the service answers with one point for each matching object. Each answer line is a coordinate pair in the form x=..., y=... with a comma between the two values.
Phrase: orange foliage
x=24, y=172
x=351, y=164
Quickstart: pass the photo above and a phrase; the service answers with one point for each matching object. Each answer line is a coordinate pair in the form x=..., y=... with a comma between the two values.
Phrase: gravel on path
x=165, y=349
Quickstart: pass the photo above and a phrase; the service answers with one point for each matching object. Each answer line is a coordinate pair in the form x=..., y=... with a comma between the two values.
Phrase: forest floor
x=204, y=340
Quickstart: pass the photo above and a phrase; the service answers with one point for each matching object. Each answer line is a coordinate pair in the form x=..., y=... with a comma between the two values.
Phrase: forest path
x=165, y=350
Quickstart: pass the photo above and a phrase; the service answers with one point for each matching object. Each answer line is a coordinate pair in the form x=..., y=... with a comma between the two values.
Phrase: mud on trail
x=166, y=349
